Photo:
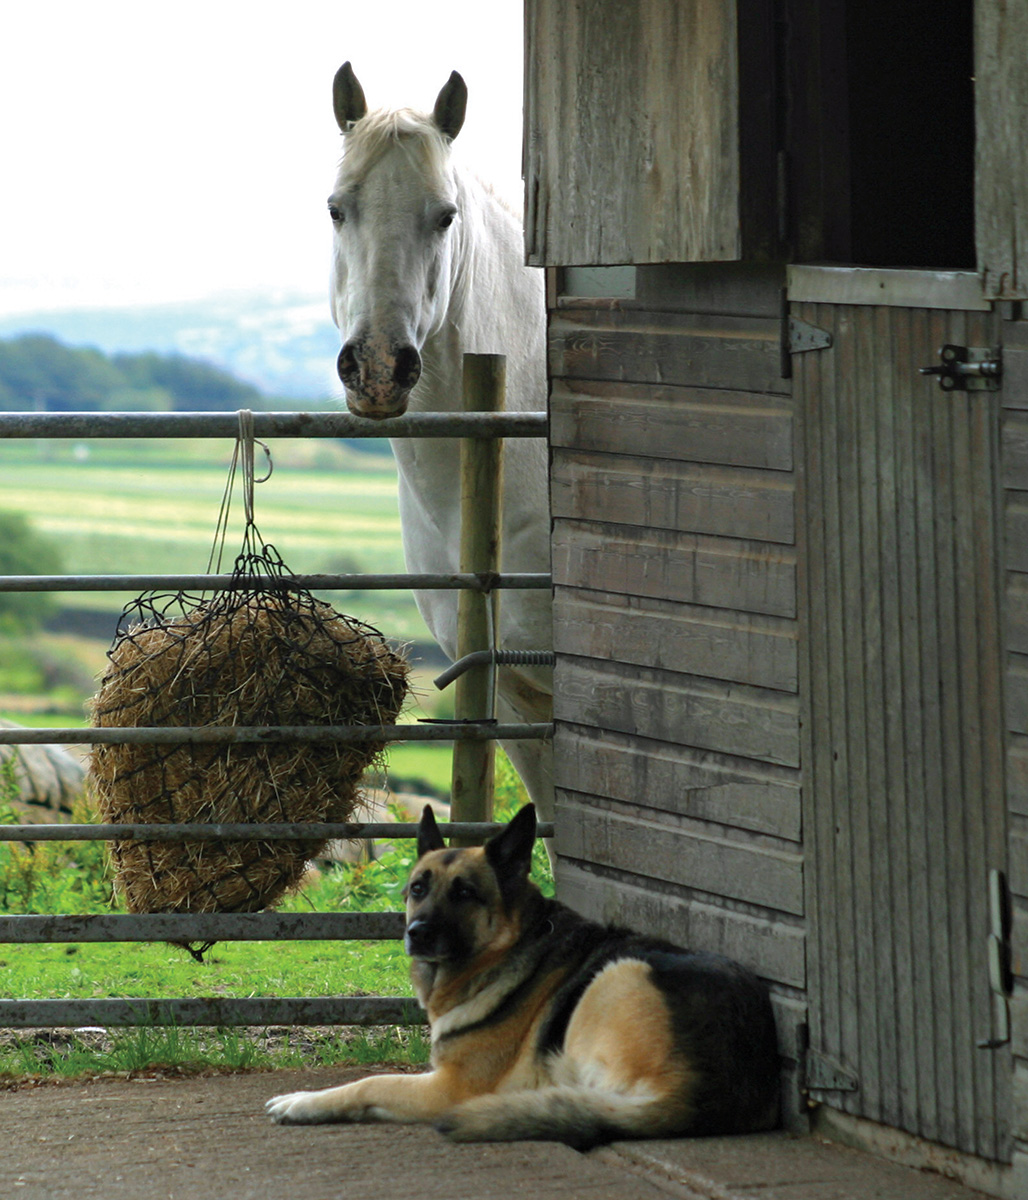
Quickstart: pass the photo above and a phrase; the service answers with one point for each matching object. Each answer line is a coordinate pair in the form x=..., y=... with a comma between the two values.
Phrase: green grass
x=73, y=878
x=152, y=508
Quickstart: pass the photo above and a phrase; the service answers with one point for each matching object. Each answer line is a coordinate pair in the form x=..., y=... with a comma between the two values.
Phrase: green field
x=151, y=507
x=144, y=508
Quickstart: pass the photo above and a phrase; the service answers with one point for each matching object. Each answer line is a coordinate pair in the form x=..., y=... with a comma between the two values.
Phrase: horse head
x=395, y=213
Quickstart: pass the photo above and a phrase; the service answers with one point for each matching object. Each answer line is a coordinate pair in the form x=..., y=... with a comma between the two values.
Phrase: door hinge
x=803, y=337
x=822, y=1073
x=798, y=337
x=1001, y=975
x=967, y=369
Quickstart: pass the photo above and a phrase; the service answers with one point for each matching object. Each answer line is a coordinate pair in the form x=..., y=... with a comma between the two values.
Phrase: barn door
x=901, y=695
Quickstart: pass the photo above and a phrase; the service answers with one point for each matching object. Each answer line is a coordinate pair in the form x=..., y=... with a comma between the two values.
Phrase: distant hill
x=284, y=345
x=39, y=372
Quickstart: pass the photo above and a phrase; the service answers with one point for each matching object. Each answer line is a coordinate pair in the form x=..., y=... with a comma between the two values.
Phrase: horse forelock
x=376, y=134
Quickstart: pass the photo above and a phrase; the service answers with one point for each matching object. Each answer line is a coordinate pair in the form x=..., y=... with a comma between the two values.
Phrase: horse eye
x=446, y=218
x=336, y=213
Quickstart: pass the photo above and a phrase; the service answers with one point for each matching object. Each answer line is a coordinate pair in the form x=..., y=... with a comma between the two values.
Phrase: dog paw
x=297, y=1108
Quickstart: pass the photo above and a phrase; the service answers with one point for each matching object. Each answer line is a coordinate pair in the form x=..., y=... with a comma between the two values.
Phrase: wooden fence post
x=477, y=612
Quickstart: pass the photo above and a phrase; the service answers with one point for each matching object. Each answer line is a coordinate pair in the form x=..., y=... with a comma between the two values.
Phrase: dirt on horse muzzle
x=378, y=377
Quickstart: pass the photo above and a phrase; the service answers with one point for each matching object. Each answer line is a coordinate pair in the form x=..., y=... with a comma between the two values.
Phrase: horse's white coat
x=426, y=256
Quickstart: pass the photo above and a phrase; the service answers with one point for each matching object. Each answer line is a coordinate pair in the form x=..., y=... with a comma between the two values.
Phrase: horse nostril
x=407, y=371
x=346, y=365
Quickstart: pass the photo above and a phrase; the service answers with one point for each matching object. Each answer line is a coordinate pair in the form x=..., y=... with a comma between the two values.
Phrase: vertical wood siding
x=903, y=753
x=678, y=738
x=1014, y=450
x=1001, y=182
x=631, y=131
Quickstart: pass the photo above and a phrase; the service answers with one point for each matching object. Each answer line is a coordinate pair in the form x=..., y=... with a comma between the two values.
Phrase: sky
x=171, y=152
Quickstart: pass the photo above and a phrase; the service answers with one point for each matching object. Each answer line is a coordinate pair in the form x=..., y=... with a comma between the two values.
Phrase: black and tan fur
x=548, y=1026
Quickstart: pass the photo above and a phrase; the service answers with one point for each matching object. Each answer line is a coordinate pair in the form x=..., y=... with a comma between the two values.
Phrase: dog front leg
x=405, y=1098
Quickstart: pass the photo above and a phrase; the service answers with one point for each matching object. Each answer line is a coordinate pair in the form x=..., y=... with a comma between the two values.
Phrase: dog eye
x=418, y=887
x=460, y=890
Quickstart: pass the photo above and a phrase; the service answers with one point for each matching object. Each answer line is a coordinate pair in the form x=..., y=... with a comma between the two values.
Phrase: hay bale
x=278, y=659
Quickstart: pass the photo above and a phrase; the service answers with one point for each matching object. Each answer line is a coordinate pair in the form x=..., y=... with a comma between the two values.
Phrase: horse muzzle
x=378, y=378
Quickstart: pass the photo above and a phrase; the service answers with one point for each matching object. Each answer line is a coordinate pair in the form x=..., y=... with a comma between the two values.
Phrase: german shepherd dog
x=550, y=1027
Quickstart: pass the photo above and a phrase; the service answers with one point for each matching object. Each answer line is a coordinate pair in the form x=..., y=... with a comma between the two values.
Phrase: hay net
x=262, y=652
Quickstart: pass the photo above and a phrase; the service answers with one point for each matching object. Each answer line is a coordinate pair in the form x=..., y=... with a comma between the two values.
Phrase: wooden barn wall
x=1001, y=182
x=903, y=759
x=1014, y=439
x=678, y=740
x=640, y=144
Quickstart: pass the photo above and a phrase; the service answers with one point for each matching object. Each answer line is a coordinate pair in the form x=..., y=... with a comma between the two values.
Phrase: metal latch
x=967, y=369
x=1001, y=975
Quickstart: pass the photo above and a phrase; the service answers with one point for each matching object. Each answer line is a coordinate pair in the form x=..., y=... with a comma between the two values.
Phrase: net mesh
x=264, y=653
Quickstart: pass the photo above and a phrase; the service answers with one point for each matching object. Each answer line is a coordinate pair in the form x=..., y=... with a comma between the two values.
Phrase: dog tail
x=581, y=1117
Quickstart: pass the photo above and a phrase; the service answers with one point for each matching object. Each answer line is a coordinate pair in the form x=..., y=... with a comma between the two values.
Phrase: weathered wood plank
x=903, y=726
x=771, y=945
x=675, y=637
x=680, y=780
x=1016, y=531
x=1016, y=612
x=901, y=698
x=670, y=565
x=728, y=718
x=1017, y=867
x=668, y=495
x=1017, y=693
x=687, y=350
x=652, y=177
x=1017, y=776
x=689, y=424
x=1015, y=365
x=719, y=866
x=1014, y=448
x=1001, y=147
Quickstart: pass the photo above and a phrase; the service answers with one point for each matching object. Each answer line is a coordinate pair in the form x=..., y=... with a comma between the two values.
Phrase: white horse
x=427, y=266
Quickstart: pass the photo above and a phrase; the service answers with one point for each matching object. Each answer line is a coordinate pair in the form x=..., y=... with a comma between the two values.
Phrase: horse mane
x=377, y=132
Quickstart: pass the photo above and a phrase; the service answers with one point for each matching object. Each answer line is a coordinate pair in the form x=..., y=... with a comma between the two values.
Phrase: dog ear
x=509, y=852
x=429, y=837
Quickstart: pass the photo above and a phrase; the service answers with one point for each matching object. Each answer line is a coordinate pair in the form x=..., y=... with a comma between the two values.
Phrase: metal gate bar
x=91, y=425
x=185, y=927
x=214, y=1011
x=227, y=583
x=239, y=832
x=168, y=735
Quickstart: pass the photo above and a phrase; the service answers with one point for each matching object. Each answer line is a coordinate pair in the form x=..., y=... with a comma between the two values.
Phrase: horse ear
x=450, y=106
x=347, y=98
x=429, y=837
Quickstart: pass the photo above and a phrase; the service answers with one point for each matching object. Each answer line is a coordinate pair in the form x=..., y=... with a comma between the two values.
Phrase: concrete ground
x=208, y=1139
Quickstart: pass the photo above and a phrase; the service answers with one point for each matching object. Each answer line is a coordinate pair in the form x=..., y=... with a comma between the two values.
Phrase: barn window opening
x=910, y=92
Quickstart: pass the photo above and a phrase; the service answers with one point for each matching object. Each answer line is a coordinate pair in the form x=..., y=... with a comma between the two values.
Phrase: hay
x=267, y=659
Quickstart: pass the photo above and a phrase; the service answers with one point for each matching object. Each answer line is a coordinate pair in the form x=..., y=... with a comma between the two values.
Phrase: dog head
x=461, y=903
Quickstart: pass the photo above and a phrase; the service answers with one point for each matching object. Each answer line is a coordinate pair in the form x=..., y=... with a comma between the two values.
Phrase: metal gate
x=902, y=705
x=217, y=1011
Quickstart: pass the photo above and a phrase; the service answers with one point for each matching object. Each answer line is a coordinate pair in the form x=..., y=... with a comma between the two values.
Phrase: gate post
x=481, y=462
